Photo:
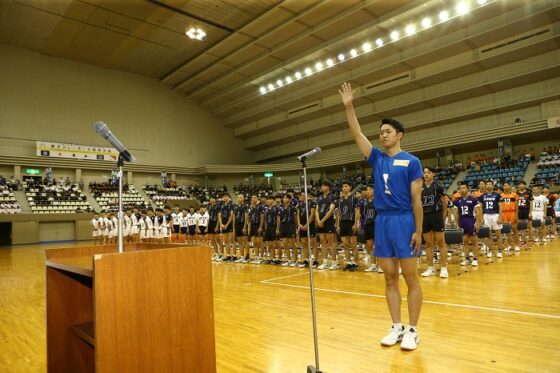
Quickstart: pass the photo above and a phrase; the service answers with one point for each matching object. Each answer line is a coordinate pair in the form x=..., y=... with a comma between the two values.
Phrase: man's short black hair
x=521, y=182
x=489, y=181
x=506, y=182
x=327, y=183
x=398, y=126
x=462, y=183
x=346, y=182
x=431, y=169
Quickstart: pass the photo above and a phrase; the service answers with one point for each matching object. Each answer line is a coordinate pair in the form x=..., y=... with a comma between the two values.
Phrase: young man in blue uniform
x=397, y=179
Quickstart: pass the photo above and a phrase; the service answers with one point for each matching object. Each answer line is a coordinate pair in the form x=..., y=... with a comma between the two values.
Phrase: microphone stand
x=120, y=164
x=310, y=368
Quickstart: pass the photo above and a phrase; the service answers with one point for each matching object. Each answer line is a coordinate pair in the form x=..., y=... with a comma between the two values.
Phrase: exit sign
x=268, y=174
x=32, y=171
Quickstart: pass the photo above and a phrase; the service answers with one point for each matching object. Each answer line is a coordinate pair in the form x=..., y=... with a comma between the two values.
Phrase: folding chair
x=454, y=237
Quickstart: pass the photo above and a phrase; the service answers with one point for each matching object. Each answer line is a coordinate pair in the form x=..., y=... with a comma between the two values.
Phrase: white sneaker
x=323, y=266
x=499, y=255
x=443, y=272
x=371, y=268
x=379, y=270
x=429, y=272
x=410, y=340
x=293, y=264
x=285, y=264
x=474, y=263
x=489, y=254
x=465, y=262
x=393, y=337
x=333, y=267
x=517, y=249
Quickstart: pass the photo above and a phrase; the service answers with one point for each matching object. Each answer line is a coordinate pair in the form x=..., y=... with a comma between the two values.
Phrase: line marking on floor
x=503, y=310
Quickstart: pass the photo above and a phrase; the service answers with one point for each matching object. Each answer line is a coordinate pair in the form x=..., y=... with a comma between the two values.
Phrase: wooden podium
x=149, y=309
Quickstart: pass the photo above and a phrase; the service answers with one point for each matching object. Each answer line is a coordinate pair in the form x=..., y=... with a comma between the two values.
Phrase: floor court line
x=280, y=278
x=503, y=310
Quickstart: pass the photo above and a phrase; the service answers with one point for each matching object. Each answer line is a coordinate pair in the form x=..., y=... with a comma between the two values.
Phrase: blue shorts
x=393, y=232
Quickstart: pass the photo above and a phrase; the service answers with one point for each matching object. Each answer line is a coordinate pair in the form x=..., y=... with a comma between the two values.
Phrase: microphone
x=309, y=154
x=102, y=129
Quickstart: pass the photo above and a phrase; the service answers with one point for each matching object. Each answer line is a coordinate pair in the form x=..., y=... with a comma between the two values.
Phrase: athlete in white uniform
x=96, y=232
x=149, y=226
x=115, y=231
x=539, y=209
x=184, y=225
x=135, y=222
x=142, y=228
x=192, y=217
x=127, y=226
x=177, y=216
x=106, y=227
x=202, y=223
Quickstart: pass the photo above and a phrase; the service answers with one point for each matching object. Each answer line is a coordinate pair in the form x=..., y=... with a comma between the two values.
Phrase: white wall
x=52, y=99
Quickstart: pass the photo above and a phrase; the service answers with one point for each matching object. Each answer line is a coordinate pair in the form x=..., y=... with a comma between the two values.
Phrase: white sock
x=412, y=327
x=430, y=268
x=397, y=326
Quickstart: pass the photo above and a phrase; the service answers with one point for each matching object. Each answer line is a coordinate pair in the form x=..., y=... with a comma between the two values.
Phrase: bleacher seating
x=203, y=193
x=513, y=172
x=51, y=199
x=160, y=195
x=8, y=202
x=107, y=196
x=445, y=176
x=548, y=169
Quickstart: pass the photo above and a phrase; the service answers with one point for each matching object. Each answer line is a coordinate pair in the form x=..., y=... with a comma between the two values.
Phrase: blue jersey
x=392, y=177
x=466, y=206
x=490, y=203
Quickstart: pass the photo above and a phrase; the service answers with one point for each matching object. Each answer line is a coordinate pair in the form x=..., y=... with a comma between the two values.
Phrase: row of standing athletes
x=273, y=225
x=483, y=207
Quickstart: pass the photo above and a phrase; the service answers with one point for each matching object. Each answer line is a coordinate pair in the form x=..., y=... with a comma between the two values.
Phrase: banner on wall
x=76, y=151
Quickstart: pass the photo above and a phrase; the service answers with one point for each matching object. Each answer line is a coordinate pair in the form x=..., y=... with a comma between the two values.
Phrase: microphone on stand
x=102, y=129
x=309, y=154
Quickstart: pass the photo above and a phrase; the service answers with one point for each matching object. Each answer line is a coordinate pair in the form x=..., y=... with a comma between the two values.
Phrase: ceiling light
x=394, y=35
x=279, y=82
x=308, y=71
x=195, y=33
x=463, y=7
x=443, y=15
x=379, y=42
x=426, y=22
x=341, y=57
x=353, y=53
x=410, y=29
x=263, y=90
x=288, y=79
x=481, y=2
x=319, y=66
x=298, y=75
x=330, y=62
x=366, y=47
x=271, y=86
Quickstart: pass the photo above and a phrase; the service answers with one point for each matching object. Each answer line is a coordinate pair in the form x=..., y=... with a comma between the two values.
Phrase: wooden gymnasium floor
x=502, y=317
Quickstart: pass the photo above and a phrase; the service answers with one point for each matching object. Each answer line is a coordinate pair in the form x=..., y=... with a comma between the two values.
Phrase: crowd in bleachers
x=107, y=196
x=203, y=193
x=160, y=195
x=508, y=169
x=8, y=202
x=61, y=197
x=548, y=166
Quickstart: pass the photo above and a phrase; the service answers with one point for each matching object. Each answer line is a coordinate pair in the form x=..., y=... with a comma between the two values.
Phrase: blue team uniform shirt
x=466, y=207
x=392, y=177
x=490, y=203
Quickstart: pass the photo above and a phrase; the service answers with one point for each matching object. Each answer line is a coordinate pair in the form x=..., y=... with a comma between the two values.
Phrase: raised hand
x=346, y=93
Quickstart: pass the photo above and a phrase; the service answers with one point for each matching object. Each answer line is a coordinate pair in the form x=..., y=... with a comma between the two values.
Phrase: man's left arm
x=416, y=196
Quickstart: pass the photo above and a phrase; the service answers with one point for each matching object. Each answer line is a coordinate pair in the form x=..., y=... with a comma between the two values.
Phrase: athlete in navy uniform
x=397, y=179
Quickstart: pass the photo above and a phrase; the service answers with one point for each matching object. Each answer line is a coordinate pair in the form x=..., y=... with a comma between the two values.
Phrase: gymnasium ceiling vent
x=513, y=43
x=302, y=110
x=387, y=83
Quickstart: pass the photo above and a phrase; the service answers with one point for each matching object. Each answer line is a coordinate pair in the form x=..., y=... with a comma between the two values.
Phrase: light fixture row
x=461, y=8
